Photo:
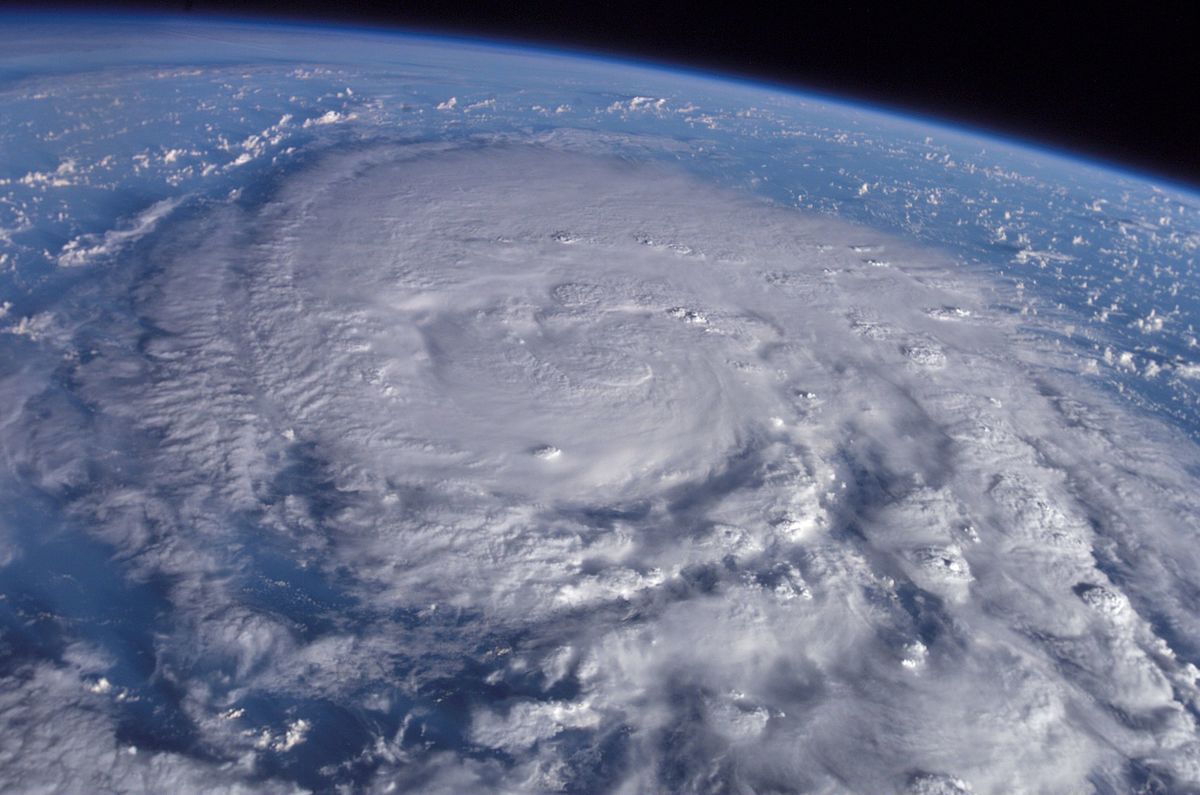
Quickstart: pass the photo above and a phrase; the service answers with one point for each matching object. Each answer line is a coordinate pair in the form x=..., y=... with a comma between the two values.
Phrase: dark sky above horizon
x=1113, y=84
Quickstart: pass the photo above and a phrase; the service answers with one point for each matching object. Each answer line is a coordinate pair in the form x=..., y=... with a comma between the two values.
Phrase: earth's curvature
x=393, y=414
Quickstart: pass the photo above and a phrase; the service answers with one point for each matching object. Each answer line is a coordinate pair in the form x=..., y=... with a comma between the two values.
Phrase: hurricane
x=388, y=413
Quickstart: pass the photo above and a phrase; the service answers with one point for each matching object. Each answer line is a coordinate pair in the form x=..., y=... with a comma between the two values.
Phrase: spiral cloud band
x=537, y=461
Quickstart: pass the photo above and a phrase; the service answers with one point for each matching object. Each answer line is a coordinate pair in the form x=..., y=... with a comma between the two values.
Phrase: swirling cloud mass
x=539, y=460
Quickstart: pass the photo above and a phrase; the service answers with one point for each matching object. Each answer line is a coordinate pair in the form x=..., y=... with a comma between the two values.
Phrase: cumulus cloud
x=60, y=735
x=86, y=249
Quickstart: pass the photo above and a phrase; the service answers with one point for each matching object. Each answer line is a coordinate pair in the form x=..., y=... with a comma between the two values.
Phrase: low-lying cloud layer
x=509, y=468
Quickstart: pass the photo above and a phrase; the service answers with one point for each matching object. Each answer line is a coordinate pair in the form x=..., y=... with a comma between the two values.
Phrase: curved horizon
x=897, y=111
x=390, y=409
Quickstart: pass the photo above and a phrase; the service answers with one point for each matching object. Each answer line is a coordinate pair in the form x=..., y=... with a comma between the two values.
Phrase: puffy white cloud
x=59, y=736
x=88, y=248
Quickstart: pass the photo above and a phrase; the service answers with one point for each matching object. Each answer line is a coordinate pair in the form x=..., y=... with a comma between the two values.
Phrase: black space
x=1110, y=83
